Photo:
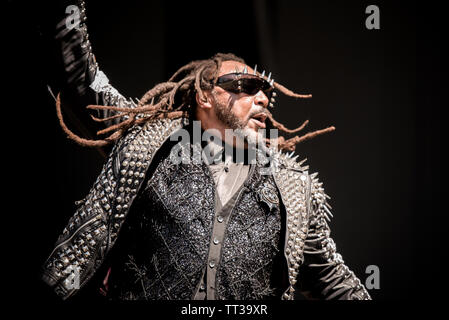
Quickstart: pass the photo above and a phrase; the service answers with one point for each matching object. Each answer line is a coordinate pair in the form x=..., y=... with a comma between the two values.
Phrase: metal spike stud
x=269, y=77
x=263, y=74
x=272, y=82
x=245, y=71
x=255, y=69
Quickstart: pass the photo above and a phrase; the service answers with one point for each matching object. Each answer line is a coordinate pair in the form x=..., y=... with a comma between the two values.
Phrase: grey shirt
x=229, y=178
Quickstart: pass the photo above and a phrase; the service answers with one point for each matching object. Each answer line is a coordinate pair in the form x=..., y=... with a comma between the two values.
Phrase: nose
x=261, y=99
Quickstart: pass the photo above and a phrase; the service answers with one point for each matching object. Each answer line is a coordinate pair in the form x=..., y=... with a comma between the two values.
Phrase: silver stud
x=245, y=70
x=255, y=69
x=263, y=74
x=269, y=77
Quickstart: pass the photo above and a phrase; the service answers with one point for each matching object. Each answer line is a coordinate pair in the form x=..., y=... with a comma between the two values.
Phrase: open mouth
x=259, y=119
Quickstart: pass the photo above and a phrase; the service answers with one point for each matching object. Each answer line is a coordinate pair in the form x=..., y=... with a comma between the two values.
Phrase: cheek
x=242, y=107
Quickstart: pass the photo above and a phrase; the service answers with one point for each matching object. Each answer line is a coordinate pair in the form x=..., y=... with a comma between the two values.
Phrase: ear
x=205, y=102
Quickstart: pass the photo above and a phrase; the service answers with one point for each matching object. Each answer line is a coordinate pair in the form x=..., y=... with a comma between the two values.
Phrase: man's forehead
x=232, y=66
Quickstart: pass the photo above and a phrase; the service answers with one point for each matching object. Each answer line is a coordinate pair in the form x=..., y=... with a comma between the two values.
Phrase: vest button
x=211, y=264
x=220, y=219
x=216, y=241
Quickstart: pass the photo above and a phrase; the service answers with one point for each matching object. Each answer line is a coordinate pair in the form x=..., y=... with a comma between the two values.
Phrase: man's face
x=239, y=110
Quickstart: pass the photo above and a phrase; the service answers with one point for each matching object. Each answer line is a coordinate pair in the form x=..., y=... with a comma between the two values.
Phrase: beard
x=240, y=127
x=227, y=117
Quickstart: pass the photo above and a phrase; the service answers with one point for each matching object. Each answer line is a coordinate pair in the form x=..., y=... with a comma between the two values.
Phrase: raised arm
x=81, y=82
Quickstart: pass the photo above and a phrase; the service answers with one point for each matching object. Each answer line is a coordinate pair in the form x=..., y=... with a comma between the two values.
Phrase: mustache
x=258, y=110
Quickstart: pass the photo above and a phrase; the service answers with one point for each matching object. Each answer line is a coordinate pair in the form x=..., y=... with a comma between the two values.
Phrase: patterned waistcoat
x=164, y=244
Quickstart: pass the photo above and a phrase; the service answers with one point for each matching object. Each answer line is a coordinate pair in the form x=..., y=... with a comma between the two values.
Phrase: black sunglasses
x=246, y=83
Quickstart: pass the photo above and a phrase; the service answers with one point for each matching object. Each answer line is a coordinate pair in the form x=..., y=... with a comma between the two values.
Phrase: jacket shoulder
x=290, y=172
x=283, y=160
x=142, y=141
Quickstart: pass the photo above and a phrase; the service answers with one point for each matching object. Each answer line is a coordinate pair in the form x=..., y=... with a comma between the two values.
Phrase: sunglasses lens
x=253, y=86
x=249, y=84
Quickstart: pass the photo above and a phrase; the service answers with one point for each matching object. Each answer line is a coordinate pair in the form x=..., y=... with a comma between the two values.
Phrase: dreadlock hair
x=175, y=99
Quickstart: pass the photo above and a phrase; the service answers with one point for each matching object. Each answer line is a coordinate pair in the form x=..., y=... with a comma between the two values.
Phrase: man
x=194, y=219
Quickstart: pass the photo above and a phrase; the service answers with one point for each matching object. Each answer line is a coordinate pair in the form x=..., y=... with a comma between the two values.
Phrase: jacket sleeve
x=78, y=76
x=88, y=236
x=324, y=274
x=94, y=228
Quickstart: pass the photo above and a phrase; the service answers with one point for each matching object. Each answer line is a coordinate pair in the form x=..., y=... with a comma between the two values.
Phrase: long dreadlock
x=175, y=98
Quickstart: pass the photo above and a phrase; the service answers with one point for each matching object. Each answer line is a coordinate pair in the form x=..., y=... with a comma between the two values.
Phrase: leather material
x=324, y=273
x=94, y=228
x=83, y=82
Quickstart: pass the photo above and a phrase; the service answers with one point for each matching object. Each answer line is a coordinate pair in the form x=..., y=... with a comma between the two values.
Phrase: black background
x=384, y=166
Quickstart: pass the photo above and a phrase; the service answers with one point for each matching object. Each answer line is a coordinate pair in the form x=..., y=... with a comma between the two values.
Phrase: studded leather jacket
x=284, y=214
x=164, y=244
